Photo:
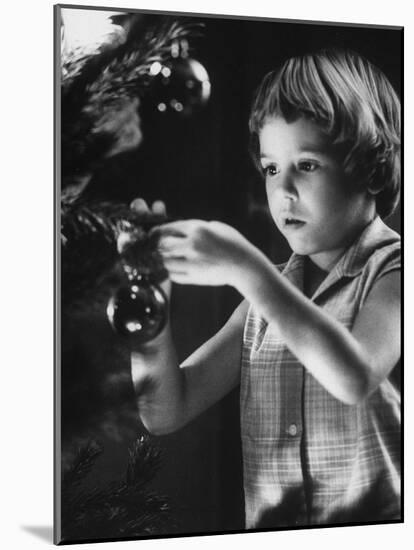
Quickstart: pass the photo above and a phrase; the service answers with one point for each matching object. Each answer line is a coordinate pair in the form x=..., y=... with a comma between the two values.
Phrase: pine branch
x=89, y=251
x=143, y=463
x=89, y=234
x=82, y=465
x=124, y=508
x=125, y=74
x=95, y=84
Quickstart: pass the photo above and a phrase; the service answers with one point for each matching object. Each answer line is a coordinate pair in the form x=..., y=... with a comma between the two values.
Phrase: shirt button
x=293, y=430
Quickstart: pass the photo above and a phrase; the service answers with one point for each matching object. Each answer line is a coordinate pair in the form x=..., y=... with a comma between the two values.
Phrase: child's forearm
x=159, y=384
x=324, y=346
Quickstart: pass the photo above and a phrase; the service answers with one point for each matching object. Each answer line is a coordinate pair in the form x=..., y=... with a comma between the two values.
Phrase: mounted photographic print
x=228, y=274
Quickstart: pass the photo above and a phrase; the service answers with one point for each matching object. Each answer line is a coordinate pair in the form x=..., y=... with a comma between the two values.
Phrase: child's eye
x=270, y=170
x=308, y=166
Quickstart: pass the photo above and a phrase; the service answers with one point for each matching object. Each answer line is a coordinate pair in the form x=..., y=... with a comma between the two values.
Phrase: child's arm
x=348, y=364
x=169, y=396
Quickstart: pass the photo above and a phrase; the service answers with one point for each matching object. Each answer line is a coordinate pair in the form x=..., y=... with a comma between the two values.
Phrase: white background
x=26, y=341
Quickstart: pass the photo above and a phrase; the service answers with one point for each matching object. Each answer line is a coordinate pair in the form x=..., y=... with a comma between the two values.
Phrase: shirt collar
x=376, y=234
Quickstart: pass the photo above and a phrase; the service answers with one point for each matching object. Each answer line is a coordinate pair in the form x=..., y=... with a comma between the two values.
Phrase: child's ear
x=377, y=180
x=374, y=190
x=374, y=187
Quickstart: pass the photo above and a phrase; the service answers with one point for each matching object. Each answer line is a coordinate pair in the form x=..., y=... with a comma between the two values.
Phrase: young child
x=314, y=343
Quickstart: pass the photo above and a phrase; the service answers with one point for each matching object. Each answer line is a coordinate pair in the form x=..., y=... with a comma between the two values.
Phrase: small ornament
x=180, y=85
x=139, y=308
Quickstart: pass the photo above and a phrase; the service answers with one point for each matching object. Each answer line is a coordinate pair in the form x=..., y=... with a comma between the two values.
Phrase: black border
x=57, y=535
x=402, y=276
x=230, y=16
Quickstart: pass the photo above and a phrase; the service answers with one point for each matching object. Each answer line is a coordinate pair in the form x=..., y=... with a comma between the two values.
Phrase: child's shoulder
x=379, y=254
x=376, y=245
x=383, y=248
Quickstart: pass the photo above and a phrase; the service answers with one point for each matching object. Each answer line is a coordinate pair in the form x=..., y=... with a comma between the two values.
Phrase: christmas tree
x=102, y=87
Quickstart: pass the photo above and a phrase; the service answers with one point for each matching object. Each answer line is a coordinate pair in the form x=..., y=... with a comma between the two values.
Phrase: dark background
x=201, y=168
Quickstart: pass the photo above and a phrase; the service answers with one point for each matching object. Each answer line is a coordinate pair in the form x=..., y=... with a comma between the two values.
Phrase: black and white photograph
x=228, y=313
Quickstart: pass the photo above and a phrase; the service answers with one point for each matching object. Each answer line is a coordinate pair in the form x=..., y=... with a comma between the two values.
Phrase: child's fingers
x=166, y=286
x=181, y=227
x=187, y=272
x=180, y=270
x=172, y=246
x=159, y=208
x=140, y=206
x=176, y=265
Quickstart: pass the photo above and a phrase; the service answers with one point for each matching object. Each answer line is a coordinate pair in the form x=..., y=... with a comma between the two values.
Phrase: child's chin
x=300, y=248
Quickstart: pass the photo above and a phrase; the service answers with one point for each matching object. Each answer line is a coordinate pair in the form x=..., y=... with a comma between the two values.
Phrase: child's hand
x=141, y=207
x=158, y=207
x=203, y=253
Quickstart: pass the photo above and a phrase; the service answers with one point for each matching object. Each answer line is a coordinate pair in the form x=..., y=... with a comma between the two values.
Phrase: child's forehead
x=302, y=133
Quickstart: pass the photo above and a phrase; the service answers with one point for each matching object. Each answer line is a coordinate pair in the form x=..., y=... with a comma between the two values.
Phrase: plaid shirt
x=308, y=458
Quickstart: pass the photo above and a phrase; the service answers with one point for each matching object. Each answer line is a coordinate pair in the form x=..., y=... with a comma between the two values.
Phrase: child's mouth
x=293, y=223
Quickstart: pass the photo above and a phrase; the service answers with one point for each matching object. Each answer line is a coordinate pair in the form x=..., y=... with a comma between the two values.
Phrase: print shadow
x=43, y=532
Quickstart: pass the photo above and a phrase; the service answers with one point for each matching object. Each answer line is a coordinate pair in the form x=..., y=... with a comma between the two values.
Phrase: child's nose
x=287, y=185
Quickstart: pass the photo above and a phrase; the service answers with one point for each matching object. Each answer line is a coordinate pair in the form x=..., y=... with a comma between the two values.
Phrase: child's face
x=311, y=200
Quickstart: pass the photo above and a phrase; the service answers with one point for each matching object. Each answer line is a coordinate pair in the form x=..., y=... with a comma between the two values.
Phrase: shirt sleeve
x=382, y=262
x=390, y=262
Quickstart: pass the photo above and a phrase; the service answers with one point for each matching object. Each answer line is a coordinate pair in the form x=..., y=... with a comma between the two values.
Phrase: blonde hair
x=354, y=104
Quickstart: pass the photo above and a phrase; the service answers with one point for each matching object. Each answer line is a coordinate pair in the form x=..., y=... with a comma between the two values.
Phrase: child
x=314, y=343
